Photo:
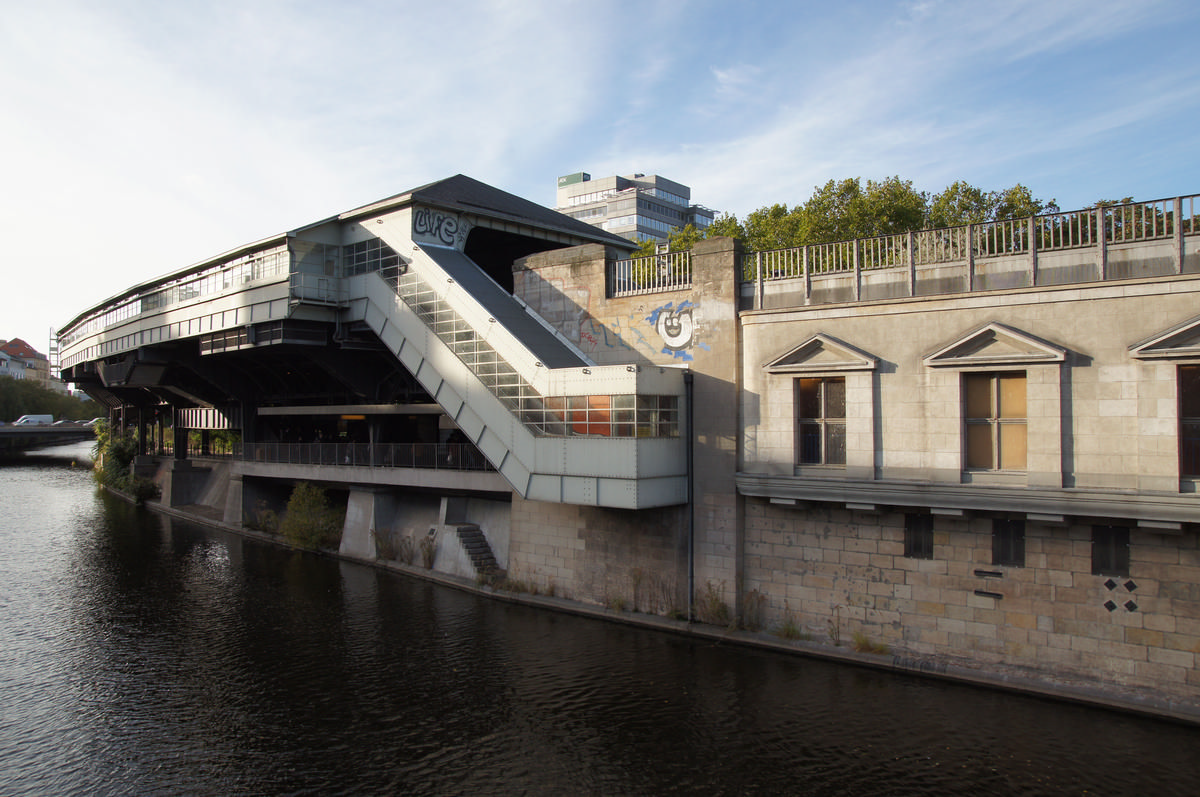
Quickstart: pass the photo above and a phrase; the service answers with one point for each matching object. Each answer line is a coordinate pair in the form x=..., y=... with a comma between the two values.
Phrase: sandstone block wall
x=1054, y=616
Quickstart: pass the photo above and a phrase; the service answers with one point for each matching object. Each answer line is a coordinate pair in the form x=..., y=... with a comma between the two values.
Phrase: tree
x=725, y=225
x=773, y=227
x=961, y=203
x=892, y=206
x=26, y=396
x=839, y=211
x=646, y=247
x=1018, y=203
x=844, y=209
x=683, y=239
x=834, y=212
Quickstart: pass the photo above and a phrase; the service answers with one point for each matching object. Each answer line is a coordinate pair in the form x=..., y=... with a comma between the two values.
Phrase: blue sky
x=140, y=137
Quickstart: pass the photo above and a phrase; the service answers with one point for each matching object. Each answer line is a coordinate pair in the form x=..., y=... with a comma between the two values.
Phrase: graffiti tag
x=441, y=227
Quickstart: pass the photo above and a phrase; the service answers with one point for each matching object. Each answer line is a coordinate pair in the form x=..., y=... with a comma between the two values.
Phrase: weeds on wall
x=636, y=577
x=384, y=547
x=510, y=582
x=428, y=550
x=615, y=603
x=309, y=520
x=863, y=644
x=753, y=607
x=790, y=627
x=711, y=607
x=406, y=550
x=835, y=625
x=664, y=596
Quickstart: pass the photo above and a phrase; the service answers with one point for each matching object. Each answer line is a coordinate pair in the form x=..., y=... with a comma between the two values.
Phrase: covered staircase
x=504, y=377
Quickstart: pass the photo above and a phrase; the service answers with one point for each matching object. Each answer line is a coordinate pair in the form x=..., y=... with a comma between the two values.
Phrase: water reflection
x=144, y=656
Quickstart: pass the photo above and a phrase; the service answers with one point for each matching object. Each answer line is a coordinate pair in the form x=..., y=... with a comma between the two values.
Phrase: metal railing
x=1162, y=220
x=623, y=415
x=653, y=274
x=430, y=456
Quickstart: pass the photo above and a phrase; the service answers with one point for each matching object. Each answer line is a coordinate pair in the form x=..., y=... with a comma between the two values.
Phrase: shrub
x=114, y=467
x=428, y=550
x=405, y=551
x=384, y=547
x=265, y=518
x=309, y=521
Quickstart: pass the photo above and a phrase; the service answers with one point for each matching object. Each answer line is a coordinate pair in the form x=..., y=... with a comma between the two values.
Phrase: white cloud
x=141, y=136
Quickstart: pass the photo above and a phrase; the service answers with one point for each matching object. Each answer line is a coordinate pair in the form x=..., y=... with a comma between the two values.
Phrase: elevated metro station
x=389, y=333
x=978, y=445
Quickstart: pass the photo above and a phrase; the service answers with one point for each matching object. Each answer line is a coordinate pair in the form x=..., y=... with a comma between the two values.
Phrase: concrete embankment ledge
x=1110, y=696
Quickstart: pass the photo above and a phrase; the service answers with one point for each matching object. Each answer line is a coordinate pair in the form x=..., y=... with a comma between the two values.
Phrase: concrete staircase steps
x=477, y=548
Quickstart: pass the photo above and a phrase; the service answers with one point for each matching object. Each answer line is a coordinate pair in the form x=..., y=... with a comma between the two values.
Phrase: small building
x=637, y=206
x=12, y=367
x=37, y=365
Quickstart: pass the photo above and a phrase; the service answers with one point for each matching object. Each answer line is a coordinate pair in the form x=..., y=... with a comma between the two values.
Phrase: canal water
x=145, y=656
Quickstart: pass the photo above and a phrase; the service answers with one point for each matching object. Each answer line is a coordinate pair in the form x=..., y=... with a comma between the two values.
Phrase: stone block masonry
x=823, y=566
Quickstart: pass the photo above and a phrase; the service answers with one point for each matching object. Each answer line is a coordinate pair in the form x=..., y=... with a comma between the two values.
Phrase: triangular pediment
x=995, y=344
x=821, y=353
x=1180, y=341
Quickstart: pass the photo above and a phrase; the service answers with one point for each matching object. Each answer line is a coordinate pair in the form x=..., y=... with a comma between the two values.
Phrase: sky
x=141, y=136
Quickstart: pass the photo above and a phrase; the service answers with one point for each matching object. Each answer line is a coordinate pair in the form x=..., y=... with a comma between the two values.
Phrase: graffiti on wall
x=677, y=326
x=441, y=228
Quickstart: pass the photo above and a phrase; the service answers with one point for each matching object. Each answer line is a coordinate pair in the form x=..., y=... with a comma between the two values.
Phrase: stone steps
x=476, y=545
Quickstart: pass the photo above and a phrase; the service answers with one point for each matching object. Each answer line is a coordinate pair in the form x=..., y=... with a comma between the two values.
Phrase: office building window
x=1189, y=420
x=994, y=416
x=821, y=420
x=1110, y=550
x=1008, y=542
x=918, y=536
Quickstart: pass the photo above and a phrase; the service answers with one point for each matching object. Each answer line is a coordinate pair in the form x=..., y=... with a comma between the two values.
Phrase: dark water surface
x=144, y=656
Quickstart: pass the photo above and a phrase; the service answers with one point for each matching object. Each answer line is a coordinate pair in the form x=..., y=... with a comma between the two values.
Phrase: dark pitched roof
x=468, y=195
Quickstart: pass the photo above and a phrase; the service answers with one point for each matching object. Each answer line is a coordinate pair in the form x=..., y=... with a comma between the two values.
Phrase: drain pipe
x=691, y=496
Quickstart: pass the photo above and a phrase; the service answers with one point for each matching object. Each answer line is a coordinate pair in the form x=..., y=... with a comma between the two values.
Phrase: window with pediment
x=821, y=420
x=823, y=370
x=994, y=420
x=995, y=361
x=1181, y=342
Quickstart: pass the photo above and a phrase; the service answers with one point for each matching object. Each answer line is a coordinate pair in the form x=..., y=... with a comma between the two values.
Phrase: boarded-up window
x=994, y=415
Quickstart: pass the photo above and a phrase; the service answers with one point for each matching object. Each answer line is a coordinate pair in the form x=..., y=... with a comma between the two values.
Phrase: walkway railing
x=1163, y=222
x=652, y=274
x=431, y=456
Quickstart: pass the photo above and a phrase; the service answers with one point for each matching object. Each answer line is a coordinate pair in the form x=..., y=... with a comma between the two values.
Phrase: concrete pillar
x=235, y=508
x=358, y=532
x=717, y=414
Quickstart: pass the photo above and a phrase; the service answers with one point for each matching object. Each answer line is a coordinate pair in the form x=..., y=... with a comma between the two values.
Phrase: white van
x=27, y=420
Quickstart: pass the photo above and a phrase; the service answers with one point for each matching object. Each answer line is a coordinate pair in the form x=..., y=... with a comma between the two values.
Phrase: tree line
x=26, y=397
x=845, y=209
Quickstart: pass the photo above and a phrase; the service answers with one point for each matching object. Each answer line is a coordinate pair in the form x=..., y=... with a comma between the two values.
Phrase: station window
x=821, y=420
x=994, y=417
